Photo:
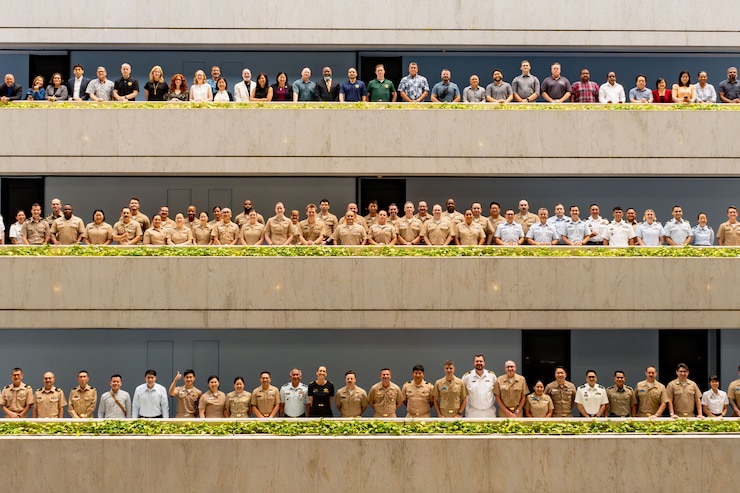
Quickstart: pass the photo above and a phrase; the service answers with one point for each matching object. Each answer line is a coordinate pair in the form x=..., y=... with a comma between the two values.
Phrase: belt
x=301, y=416
x=239, y=415
x=512, y=408
x=151, y=417
x=612, y=415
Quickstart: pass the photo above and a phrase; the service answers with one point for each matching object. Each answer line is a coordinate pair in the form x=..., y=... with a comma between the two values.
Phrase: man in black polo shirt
x=126, y=88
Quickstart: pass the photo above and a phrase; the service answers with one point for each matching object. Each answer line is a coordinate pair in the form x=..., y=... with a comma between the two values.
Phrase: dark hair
x=562, y=367
x=714, y=378
x=150, y=372
x=683, y=366
x=188, y=372
x=591, y=371
x=116, y=375
x=641, y=75
x=658, y=81
x=78, y=65
x=263, y=372
x=618, y=371
x=350, y=371
x=262, y=74
x=16, y=369
x=494, y=203
x=688, y=82
x=499, y=71
x=225, y=82
x=214, y=376
x=616, y=208
x=236, y=379
x=83, y=371
x=286, y=81
x=100, y=211
x=418, y=368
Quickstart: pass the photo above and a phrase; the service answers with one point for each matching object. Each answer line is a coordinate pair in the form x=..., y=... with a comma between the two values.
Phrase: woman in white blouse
x=200, y=90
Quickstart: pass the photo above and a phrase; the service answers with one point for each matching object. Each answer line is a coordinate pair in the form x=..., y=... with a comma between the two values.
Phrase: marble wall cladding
x=394, y=464
x=369, y=292
x=383, y=24
x=323, y=142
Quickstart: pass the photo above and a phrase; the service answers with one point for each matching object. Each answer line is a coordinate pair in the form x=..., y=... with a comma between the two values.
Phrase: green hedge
x=394, y=251
x=367, y=427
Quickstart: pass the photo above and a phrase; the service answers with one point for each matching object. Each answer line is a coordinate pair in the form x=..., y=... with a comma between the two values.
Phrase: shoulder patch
x=6, y=387
x=39, y=389
x=29, y=387
x=466, y=373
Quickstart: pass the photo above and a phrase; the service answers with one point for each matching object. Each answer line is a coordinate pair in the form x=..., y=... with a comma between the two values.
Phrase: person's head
x=222, y=84
x=450, y=205
x=477, y=209
x=179, y=219
x=525, y=67
x=350, y=378
x=56, y=79
x=82, y=378
x=474, y=81
x=56, y=206
x=650, y=373
x=321, y=373
x=714, y=382
x=393, y=210
x=126, y=214
x=116, y=381
x=510, y=368
x=215, y=72
x=16, y=376
x=349, y=218
x=702, y=78
x=305, y=74
x=559, y=210
x=539, y=387
x=611, y=78
x=619, y=378
x=660, y=83
x=164, y=212
x=449, y=369
x=157, y=221
x=509, y=215
x=279, y=209
x=479, y=362
x=265, y=379
x=281, y=79
x=408, y=208
x=203, y=217
x=385, y=376
x=262, y=79
x=189, y=377
x=9, y=80
x=555, y=70
x=413, y=69
x=49, y=379
x=560, y=374
x=617, y=213
x=78, y=70
x=192, y=211
x=101, y=73
x=247, y=75
x=311, y=210
x=352, y=74
x=326, y=72
x=641, y=81
x=213, y=383
x=20, y=216
x=151, y=377
x=437, y=211
x=494, y=208
x=252, y=217
x=200, y=77
x=682, y=371
x=677, y=212
x=497, y=75
x=239, y=384
x=380, y=71
x=382, y=217
x=591, y=377
x=126, y=70
x=226, y=215
x=649, y=216
x=585, y=75
x=418, y=373
x=731, y=213
x=324, y=206
x=523, y=206
x=684, y=79
x=702, y=219
x=67, y=211
x=134, y=204
x=372, y=207
x=543, y=215
x=731, y=74
x=38, y=81
x=445, y=75
x=36, y=211
x=156, y=74
x=295, y=216
x=575, y=211
x=630, y=214
x=468, y=217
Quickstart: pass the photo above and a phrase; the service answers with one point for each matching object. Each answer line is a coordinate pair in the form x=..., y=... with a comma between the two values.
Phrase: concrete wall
x=363, y=292
x=391, y=464
x=412, y=142
x=380, y=24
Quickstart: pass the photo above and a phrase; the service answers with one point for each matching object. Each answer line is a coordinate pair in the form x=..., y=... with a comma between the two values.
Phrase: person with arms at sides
x=622, y=398
x=354, y=90
x=35, y=231
x=16, y=227
x=225, y=232
x=385, y=397
x=417, y=395
x=611, y=91
x=703, y=234
x=294, y=396
x=511, y=392
x=261, y=91
x=640, y=93
x=382, y=232
x=449, y=393
x=252, y=232
x=661, y=94
x=480, y=383
x=684, y=91
x=684, y=396
x=445, y=91
x=328, y=88
x=542, y=233
x=180, y=234
x=649, y=232
x=126, y=88
x=16, y=399
x=585, y=90
x=50, y=400
x=150, y=399
x=351, y=400
x=36, y=92
x=509, y=233
x=468, y=232
x=562, y=393
x=200, y=90
x=187, y=395
x=57, y=90
x=349, y=232
x=98, y=232
x=499, y=91
x=413, y=87
x=215, y=75
x=178, y=89
x=591, y=398
x=311, y=230
x=212, y=403
x=222, y=95
x=243, y=88
x=714, y=401
x=381, y=89
x=278, y=229
x=156, y=88
x=281, y=90
x=68, y=229
x=729, y=89
x=216, y=217
x=526, y=86
x=705, y=93
x=265, y=398
x=618, y=233
x=652, y=398
x=733, y=394
x=408, y=226
x=539, y=404
x=474, y=93
x=238, y=402
x=116, y=403
x=156, y=235
x=677, y=229
x=556, y=88
x=203, y=231
x=320, y=395
x=577, y=231
x=728, y=233
x=304, y=89
x=437, y=231
x=84, y=398
x=77, y=84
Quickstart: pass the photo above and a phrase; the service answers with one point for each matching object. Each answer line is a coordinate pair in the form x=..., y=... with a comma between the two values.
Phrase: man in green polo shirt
x=381, y=89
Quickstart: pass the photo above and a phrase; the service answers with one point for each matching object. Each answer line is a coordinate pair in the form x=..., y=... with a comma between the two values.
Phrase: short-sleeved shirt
x=279, y=229
x=556, y=88
x=212, y=404
x=349, y=235
x=351, y=402
x=82, y=402
x=621, y=400
x=684, y=396
x=510, y=392
x=187, y=401
x=353, y=91
x=226, y=233
x=731, y=90
x=294, y=399
x=525, y=85
x=179, y=236
x=577, y=231
x=477, y=95
x=382, y=233
x=202, y=234
x=618, y=233
x=543, y=233
x=265, y=400
x=650, y=233
x=142, y=219
x=677, y=231
x=384, y=399
x=729, y=233
x=450, y=394
x=526, y=221
x=563, y=397
x=380, y=91
x=409, y=229
x=16, y=398
x=703, y=235
x=591, y=398
x=305, y=90
x=312, y=232
x=539, y=405
x=126, y=86
x=35, y=231
x=67, y=230
x=98, y=234
x=597, y=225
x=637, y=94
x=715, y=402
x=330, y=221
x=418, y=398
x=48, y=403
x=251, y=233
x=650, y=397
x=414, y=86
x=238, y=404
x=153, y=236
x=131, y=230
x=585, y=92
x=509, y=232
x=469, y=234
x=733, y=391
x=480, y=391
x=446, y=93
x=500, y=91
x=437, y=231
x=321, y=395
x=101, y=90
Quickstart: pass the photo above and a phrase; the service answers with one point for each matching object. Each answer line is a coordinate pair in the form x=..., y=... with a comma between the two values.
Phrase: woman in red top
x=661, y=94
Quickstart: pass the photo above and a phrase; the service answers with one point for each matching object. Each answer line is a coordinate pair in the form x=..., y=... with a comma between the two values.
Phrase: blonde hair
x=151, y=74
x=655, y=216
x=195, y=77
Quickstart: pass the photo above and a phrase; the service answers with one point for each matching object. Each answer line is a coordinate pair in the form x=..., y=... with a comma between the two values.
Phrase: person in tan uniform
x=622, y=398
x=50, y=400
x=138, y=216
x=417, y=395
x=437, y=231
x=468, y=232
x=35, y=231
x=188, y=395
x=453, y=216
x=252, y=231
x=329, y=219
x=385, y=396
x=191, y=219
x=216, y=216
x=265, y=398
x=423, y=214
x=225, y=232
x=164, y=214
x=562, y=393
x=539, y=404
x=238, y=402
x=525, y=218
x=652, y=397
x=278, y=229
x=242, y=217
x=478, y=216
x=728, y=233
x=83, y=398
x=181, y=234
x=311, y=230
x=156, y=234
x=493, y=221
x=127, y=231
x=359, y=219
x=733, y=394
x=408, y=226
x=212, y=403
x=68, y=229
x=351, y=400
x=16, y=399
x=511, y=392
x=684, y=396
x=202, y=231
x=372, y=214
x=295, y=217
x=349, y=232
x=450, y=394
x=382, y=233
x=98, y=232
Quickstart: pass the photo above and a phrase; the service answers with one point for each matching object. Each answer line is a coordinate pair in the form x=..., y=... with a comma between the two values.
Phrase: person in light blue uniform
x=509, y=232
x=542, y=233
x=650, y=232
x=703, y=233
x=677, y=230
